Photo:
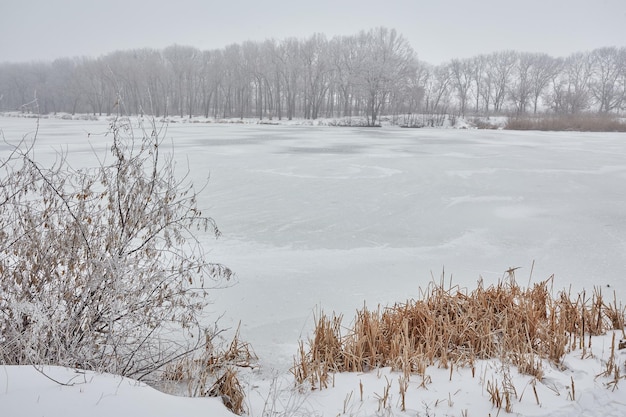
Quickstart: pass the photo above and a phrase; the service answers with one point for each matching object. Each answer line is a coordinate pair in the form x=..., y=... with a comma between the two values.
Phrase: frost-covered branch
x=102, y=269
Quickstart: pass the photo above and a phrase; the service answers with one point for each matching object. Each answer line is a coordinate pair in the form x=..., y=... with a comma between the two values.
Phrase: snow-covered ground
x=27, y=391
x=324, y=217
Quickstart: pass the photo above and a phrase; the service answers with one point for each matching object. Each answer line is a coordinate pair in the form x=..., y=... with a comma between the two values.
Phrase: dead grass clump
x=212, y=373
x=230, y=390
x=454, y=327
x=325, y=353
x=578, y=122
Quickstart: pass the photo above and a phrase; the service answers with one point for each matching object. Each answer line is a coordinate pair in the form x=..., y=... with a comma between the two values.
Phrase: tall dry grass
x=578, y=122
x=212, y=372
x=455, y=327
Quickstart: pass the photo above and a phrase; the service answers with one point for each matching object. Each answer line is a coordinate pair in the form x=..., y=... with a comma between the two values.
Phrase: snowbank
x=61, y=392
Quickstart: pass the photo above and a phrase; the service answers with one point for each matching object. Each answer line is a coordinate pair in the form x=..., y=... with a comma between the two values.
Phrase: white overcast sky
x=438, y=30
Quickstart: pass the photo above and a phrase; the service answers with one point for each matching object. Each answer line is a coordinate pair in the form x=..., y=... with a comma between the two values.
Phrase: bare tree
x=344, y=61
x=571, y=87
x=386, y=63
x=437, y=94
x=438, y=88
x=209, y=80
x=501, y=65
x=543, y=69
x=410, y=99
x=520, y=89
x=254, y=72
x=314, y=53
x=235, y=89
x=479, y=64
x=608, y=68
x=184, y=63
x=289, y=57
x=462, y=72
x=93, y=80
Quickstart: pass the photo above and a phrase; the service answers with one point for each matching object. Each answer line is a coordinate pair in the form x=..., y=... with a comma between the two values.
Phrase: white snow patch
x=26, y=391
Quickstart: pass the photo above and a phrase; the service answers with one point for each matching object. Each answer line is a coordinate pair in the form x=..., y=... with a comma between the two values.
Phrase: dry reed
x=446, y=327
x=213, y=372
x=582, y=122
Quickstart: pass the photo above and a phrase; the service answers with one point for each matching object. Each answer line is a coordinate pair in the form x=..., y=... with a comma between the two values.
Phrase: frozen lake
x=334, y=217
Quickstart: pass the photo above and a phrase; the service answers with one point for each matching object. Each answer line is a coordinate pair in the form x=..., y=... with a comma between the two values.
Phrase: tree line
x=372, y=73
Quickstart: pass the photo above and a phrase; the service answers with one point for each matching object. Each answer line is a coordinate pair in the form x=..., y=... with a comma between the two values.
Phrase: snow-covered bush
x=100, y=268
